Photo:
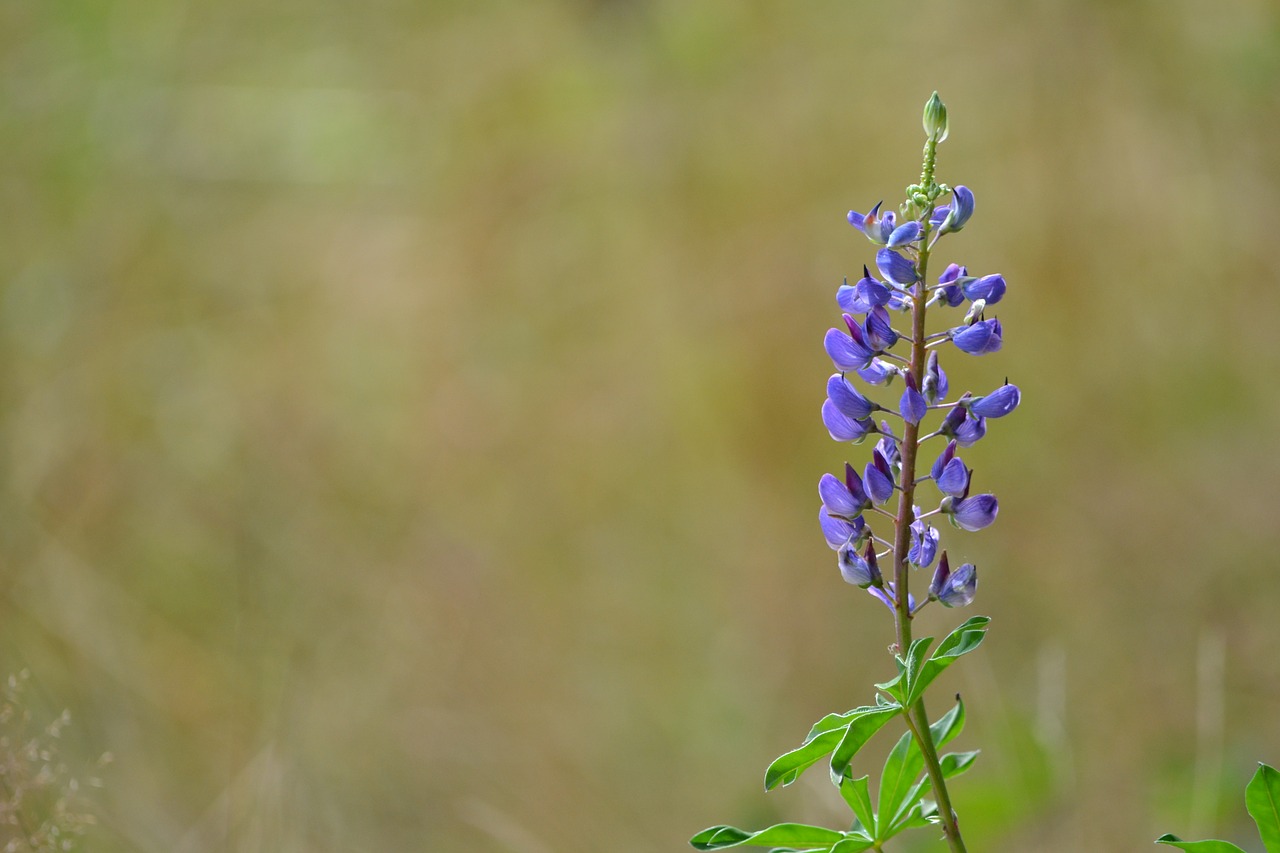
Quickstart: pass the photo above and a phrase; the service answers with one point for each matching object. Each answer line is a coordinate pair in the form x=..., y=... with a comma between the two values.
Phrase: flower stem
x=916, y=716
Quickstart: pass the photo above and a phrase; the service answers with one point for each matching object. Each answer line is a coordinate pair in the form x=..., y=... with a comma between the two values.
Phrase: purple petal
x=961, y=209
x=878, y=372
x=975, y=513
x=847, y=399
x=912, y=406
x=923, y=547
x=960, y=588
x=906, y=233
x=878, y=484
x=954, y=478
x=989, y=288
x=896, y=268
x=971, y=431
x=879, y=331
x=837, y=531
x=846, y=353
x=841, y=426
x=998, y=403
x=943, y=458
x=854, y=569
x=861, y=297
x=982, y=337
x=836, y=497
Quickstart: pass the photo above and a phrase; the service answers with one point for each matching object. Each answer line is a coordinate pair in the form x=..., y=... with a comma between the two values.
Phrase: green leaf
x=1262, y=797
x=961, y=641
x=955, y=763
x=1199, y=846
x=917, y=654
x=720, y=837
x=825, y=735
x=857, y=794
x=853, y=844
x=905, y=764
x=859, y=732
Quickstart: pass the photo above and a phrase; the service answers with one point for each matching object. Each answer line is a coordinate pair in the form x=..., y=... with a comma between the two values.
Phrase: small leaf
x=720, y=837
x=961, y=641
x=825, y=735
x=853, y=844
x=859, y=732
x=905, y=764
x=857, y=794
x=1199, y=846
x=949, y=726
x=955, y=763
x=917, y=654
x=1262, y=797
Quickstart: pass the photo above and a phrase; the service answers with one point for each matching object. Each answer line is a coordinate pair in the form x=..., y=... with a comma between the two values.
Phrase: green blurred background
x=410, y=410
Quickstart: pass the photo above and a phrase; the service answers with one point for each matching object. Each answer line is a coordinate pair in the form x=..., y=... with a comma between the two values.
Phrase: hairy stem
x=917, y=717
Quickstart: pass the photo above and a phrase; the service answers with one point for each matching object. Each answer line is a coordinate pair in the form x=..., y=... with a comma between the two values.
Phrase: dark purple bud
x=847, y=399
x=989, y=288
x=912, y=407
x=944, y=457
x=855, y=569
x=924, y=544
x=846, y=353
x=971, y=431
x=865, y=294
x=841, y=426
x=982, y=337
x=839, y=500
x=838, y=531
x=879, y=478
x=908, y=232
x=998, y=403
x=973, y=513
x=954, y=478
x=961, y=210
x=953, y=590
x=896, y=268
x=879, y=332
x=935, y=380
x=878, y=372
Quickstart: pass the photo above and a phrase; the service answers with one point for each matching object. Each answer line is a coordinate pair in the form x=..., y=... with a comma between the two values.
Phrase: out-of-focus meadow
x=410, y=410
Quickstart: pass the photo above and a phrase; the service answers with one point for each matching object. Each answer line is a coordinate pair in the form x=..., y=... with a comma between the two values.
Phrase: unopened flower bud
x=935, y=119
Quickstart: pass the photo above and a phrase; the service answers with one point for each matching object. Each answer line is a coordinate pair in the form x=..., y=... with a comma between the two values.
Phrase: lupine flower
x=959, y=211
x=940, y=464
x=889, y=595
x=838, y=531
x=843, y=499
x=948, y=291
x=924, y=544
x=847, y=399
x=954, y=590
x=990, y=289
x=841, y=427
x=935, y=380
x=982, y=337
x=971, y=513
x=878, y=372
x=866, y=293
x=878, y=478
x=954, y=478
x=888, y=448
x=998, y=403
x=859, y=571
x=884, y=230
x=970, y=431
x=879, y=330
x=846, y=353
x=896, y=268
x=912, y=406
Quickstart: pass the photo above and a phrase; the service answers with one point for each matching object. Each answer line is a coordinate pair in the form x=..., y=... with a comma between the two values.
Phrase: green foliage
x=842, y=734
x=810, y=838
x=1262, y=798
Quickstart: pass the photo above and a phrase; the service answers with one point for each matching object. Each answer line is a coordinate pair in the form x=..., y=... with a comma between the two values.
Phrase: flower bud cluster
x=867, y=349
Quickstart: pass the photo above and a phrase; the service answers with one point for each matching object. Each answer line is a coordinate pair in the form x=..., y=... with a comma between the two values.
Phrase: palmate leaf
x=797, y=835
x=1262, y=798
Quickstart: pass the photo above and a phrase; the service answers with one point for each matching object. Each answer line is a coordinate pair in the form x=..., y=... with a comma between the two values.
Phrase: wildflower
x=862, y=296
x=982, y=337
x=935, y=380
x=878, y=372
x=958, y=212
x=847, y=400
x=948, y=290
x=990, y=289
x=859, y=570
x=843, y=499
x=997, y=404
x=896, y=268
x=971, y=513
x=878, y=477
x=838, y=531
x=924, y=544
x=912, y=406
x=954, y=589
x=884, y=230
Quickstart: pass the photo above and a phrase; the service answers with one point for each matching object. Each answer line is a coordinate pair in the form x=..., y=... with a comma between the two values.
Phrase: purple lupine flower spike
x=912, y=407
x=990, y=289
x=896, y=268
x=954, y=589
x=858, y=570
x=982, y=337
x=838, y=531
x=971, y=513
x=878, y=478
x=961, y=209
x=998, y=403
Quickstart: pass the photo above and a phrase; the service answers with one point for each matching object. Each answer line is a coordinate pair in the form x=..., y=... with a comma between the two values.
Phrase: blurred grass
x=410, y=410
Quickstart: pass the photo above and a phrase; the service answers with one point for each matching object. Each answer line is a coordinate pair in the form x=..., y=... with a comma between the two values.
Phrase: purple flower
x=948, y=291
x=878, y=372
x=954, y=478
x=846, y=353
x=998, y=403
x=859, y=571
x=841, y=426
x=912, y=406
x=838, y=531
x=960, y=209
x=935, y=380
x=843, y=499
x=972, y=513
x=896, y=268
x=924, y=544
x=879, y=478
x=970, y=431
x=907, y=232
x=888, y=448
x=944, y=457
x=880, y=335
x=847, y=399
x=866, y=293
x=989, y=288
x=888, y=595
x=982, y=337
x=954, y=589
x=877, y=228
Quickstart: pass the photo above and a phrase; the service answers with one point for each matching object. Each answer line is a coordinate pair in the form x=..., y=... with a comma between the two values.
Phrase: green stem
x=916, y=716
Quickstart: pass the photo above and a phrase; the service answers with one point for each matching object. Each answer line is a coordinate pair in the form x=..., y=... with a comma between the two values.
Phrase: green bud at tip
x=935, y=119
